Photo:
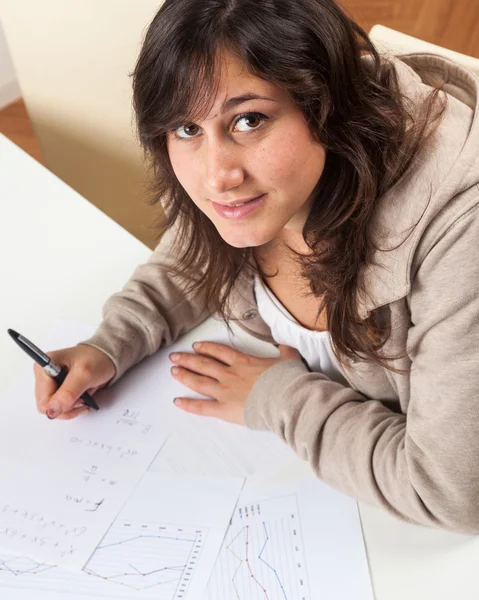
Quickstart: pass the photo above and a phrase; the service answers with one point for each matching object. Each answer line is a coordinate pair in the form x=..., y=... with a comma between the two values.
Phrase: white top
x=314, y=346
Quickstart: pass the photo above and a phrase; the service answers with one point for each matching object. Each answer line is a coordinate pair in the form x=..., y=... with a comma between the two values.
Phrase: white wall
x=9, y=88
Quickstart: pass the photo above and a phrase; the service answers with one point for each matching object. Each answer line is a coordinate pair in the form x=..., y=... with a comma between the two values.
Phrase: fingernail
x=175, y=370
x=197, y=345
x=53, y=411
x=174, y=357
x=177, y=401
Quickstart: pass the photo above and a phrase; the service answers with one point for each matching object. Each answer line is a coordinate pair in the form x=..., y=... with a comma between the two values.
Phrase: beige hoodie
x=409, y=443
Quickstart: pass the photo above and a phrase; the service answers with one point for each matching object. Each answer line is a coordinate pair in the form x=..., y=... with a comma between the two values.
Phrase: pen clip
x=34, y=349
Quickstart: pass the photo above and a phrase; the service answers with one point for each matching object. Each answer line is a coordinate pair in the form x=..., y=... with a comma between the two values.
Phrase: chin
x=247, y=240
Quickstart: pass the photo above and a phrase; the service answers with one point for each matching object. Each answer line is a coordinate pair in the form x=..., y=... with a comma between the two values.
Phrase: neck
x=294, y=240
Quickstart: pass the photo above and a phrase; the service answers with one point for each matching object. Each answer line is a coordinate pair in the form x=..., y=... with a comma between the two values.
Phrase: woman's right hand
x=88, y=370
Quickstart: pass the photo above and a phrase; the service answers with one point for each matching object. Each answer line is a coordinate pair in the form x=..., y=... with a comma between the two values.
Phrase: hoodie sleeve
x=152, y=310
x=422, y=466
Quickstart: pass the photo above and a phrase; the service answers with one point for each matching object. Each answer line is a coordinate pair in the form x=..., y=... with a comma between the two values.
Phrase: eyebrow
x=237, y=100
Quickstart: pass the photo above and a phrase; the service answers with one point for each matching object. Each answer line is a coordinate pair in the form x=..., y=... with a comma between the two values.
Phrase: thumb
x=67, y=395
x=288, y=353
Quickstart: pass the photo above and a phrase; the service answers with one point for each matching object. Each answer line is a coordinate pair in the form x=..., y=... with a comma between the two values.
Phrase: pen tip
x=12, y=333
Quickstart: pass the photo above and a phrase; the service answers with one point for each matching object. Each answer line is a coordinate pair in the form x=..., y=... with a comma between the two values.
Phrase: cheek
x=275, y=160
x=184, y=169
x=293, y=162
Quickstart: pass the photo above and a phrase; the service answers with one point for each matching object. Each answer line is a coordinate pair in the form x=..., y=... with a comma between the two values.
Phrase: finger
x=45, y=387
x=203, y=365
x=203, y=408
x=81, y=403
x=76, y=382
x=73, y=413
x=221, y=352
x=288, y=353
x=198, y=383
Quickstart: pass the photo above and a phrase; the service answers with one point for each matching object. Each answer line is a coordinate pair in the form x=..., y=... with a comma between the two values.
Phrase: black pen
x=49, y=366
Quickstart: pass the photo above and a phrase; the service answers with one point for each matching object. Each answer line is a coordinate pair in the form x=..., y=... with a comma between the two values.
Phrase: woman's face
x=253, y=147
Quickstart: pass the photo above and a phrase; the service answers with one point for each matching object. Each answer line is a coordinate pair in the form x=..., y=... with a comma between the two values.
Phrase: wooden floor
x=453, y=24
x=15, y=125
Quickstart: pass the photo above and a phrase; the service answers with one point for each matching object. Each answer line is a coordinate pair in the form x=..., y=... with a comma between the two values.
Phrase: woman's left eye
x=252, y=120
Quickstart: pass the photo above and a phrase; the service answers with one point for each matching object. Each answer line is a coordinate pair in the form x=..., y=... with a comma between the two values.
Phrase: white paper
x=215, y=447
x=298, y=539
x=220, y=449
x=162, y=546
x=63, y=482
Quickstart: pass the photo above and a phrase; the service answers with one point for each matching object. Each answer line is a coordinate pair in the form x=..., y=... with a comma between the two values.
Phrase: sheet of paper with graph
x=292, y=540
x=63, y=482
x=163, y=544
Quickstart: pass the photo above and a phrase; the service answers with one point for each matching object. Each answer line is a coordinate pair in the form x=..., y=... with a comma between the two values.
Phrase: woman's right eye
x=189, y=130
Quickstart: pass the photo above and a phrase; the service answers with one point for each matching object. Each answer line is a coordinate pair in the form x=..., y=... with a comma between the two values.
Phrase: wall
x=9, y=88
x=72, y=61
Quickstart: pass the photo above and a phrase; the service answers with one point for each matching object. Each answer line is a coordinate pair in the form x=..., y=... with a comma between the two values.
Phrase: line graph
x=262, y=557
x=135, y=559
x=22, y=566
x=142, y=556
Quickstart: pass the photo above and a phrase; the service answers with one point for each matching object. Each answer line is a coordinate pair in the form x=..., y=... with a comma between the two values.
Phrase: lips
x=238, y=202
x=240, y=211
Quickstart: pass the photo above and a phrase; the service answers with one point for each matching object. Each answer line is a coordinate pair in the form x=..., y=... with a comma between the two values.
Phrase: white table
x=62, y=257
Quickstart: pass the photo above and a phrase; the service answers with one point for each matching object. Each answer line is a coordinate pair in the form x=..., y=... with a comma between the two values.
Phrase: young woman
x=325, y=199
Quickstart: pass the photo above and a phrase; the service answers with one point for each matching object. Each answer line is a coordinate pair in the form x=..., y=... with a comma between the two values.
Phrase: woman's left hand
x=223, y=374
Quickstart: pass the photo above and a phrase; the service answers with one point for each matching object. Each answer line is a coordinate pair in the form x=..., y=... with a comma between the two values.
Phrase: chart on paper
x=134, y=560
x=263, y=554
x=148, y=556
x=162, y=546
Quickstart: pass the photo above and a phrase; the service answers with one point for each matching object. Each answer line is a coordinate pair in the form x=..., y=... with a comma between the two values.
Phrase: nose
x=224, y=170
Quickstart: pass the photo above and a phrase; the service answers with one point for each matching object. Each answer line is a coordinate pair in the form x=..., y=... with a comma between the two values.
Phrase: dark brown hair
x=351, y=102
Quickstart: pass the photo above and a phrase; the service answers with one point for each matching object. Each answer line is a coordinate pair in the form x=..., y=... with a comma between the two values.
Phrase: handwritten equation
x=130, y=418
x=89, y=505
x=94, y=475
x=120, y=451
x=52, y=533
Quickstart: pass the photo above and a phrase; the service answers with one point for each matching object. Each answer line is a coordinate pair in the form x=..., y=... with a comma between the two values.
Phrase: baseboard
x=9, y=92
